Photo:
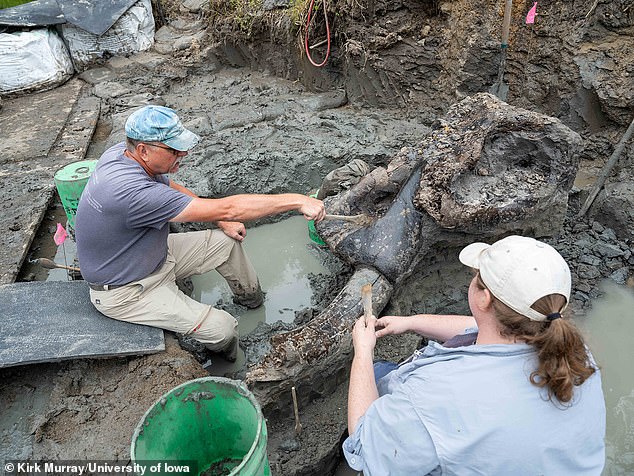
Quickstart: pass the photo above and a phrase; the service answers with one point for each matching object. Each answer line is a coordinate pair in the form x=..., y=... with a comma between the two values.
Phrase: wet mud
x=85, y=409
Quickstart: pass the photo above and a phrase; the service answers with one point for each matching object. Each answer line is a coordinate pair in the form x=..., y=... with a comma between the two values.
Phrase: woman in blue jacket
x=513, y=389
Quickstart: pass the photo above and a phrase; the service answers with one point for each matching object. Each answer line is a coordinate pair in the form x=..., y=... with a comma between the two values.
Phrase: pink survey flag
x=530, y=18
x=60, y=235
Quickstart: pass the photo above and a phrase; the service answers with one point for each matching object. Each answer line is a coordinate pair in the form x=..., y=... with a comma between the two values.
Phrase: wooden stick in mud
x=596, y=2
x=607, y=169
x=323, y=42
x=366, y=299
x=298, y=425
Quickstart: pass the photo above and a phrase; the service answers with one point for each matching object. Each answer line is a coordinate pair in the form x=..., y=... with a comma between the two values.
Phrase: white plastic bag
x=33, y=60
x=132, y=32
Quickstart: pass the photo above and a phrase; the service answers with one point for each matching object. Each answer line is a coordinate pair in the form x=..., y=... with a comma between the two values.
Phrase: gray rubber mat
x=54, y=320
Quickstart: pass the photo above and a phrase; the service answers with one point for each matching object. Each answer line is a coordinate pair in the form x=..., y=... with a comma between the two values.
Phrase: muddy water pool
x=609, y=328
x=283, y=256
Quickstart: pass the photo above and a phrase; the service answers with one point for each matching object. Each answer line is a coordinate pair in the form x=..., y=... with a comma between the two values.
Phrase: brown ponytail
x=563, y=359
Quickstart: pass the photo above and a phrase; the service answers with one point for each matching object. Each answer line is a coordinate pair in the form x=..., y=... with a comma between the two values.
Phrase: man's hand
x=233, y=229
x=364, y=338
x=313, y=209
x=393, y=325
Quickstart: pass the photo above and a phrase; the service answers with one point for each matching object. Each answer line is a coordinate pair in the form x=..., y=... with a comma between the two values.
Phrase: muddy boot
x=250, y=300
x=230, y=352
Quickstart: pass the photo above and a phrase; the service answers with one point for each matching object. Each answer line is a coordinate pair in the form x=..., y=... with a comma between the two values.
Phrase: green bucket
x=312, y=231
x=70, y=182
x=213, y=423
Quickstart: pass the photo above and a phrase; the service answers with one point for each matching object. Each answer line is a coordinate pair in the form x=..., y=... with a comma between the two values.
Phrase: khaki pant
x=157, y=301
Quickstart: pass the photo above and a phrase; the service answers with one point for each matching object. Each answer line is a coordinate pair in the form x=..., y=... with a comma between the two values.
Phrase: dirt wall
x=573, y=63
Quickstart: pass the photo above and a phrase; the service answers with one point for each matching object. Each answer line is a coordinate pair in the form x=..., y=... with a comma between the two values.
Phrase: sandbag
x=132, y=32
x=32, y=61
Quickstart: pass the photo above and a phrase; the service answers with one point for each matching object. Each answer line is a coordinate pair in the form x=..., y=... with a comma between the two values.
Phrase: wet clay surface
x=262, y=134
x=85, y=409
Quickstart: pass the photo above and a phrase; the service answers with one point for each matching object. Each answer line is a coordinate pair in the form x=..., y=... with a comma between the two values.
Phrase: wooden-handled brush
x=50, y=264
x=361, y=220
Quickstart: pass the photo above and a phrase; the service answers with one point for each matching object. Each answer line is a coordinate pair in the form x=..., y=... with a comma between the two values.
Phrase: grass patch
x=249, y=16
x=12, y=3
x=247, y=20
x=242, y=14
x=298, y=11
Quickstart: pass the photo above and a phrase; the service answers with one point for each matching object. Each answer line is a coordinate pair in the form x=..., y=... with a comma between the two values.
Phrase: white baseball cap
x=519, y=271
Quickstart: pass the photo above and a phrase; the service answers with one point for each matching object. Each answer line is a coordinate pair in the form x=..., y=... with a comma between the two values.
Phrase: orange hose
x=310, y=12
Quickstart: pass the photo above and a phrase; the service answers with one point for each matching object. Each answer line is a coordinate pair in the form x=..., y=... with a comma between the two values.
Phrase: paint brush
x=366, y=299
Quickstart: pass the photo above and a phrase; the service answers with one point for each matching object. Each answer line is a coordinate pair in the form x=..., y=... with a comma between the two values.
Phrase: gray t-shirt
x=122, y=219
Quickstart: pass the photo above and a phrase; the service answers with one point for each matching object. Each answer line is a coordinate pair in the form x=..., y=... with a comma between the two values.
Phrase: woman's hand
x=364, y=337
x=393, y=325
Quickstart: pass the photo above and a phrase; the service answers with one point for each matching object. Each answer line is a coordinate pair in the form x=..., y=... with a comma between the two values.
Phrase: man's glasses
x=170, y=149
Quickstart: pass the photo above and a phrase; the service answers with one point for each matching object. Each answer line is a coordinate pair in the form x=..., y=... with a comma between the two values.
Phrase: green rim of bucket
x=77, y=171
x=239, y=386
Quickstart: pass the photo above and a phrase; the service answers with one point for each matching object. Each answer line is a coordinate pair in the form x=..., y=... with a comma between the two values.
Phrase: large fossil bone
x=486, y=169
x=304, y=356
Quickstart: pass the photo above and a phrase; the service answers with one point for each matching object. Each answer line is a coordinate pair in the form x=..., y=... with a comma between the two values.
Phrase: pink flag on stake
x=530, y=18
x=60, y=235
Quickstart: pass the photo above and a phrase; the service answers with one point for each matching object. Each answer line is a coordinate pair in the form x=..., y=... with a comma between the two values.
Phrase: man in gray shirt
x=127, y=255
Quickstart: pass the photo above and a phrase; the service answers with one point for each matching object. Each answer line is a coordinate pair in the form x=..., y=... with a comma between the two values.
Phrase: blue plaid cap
x=160, y=124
